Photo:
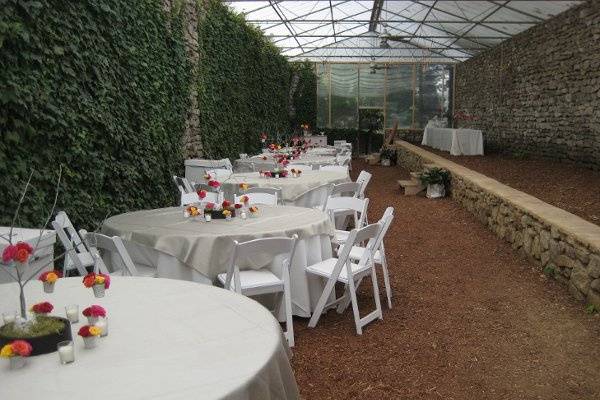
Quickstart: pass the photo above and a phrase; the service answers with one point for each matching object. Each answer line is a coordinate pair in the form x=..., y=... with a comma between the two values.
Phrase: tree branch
x=12, y=225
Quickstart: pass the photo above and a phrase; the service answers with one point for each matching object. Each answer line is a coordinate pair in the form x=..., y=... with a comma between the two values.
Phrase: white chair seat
x=340, y=237
x=325, y=269
x=252, y=280
x=356, y=253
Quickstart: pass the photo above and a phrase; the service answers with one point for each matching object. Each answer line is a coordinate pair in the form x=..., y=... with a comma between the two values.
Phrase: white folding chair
x=358, y=209
x=269, y=199
x=78, y=255
x=301, y=167
x=379, y=256
x=314, y=198
x=269, y=190
x=342, y=269
x=183, y=184
x=363, y=178
x=343, y=160
x=339, y=168
x=346, y=189
x=251, y=282
x=189, y=198
x=114, y=246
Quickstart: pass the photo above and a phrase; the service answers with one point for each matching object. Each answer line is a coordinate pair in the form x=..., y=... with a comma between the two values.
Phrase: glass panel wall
x=399, y=95
x=432, y=93
x=409, y=94
x=344, y=96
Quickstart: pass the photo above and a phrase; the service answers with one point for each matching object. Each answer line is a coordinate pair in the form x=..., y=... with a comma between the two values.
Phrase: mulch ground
x=567, y=186
x=470, y=319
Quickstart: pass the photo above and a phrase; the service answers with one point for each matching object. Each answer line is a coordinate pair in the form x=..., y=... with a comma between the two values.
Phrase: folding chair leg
x=329, y=286
x=386, y=278
x=376, y=292
x=346, y=302
x=289, y=322
x=355, y=311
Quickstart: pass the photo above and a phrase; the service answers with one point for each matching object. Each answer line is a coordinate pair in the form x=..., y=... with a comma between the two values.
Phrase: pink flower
x=202, y=193
x=42, y=308
x=21, y=347
x=94, y=311
x=213, y=183
x=9, y=253
x=24, y=250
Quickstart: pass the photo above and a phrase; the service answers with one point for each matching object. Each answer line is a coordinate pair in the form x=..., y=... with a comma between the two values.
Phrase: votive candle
x=66, y=352
x=72, y=311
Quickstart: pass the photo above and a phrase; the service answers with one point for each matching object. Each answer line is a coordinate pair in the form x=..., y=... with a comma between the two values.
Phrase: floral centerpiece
x=219, y=211
x=93, y=312
x=296, y=172
x=253, y=211
x=16, y=351
x=42, y=308
x=243, y=186
x=49, y=278
x=99, y=282
x=305, y=128
x=90, y=334
x=263, y=137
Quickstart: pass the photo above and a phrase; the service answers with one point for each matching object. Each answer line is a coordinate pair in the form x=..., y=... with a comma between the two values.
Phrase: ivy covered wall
x=244, y=85
x=99, y=86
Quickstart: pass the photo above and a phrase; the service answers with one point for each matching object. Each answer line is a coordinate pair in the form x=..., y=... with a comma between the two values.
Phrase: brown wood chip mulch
x=471, y=320
x=564, y=185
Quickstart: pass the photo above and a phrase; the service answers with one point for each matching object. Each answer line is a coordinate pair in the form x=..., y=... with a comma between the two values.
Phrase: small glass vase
x=99, y=290
x=90, y=342
x=48, y=287
x=16, y=362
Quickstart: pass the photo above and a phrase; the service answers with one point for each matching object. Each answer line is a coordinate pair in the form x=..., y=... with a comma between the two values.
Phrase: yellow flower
x=226, y=212
x=253, y=209
x=51, y=277
x=244, y=186
x=7, y=351
x=99, y=279
x=95, y=331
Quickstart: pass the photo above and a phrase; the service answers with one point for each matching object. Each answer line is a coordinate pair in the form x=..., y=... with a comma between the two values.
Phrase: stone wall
x=539, y=92
x=562, y=244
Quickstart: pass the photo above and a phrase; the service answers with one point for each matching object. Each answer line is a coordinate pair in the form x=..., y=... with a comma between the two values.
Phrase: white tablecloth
x=266, y=161
x=317, y=140
x=192, y=250
x=291, y=187
x=458, y=142
x=167, y=340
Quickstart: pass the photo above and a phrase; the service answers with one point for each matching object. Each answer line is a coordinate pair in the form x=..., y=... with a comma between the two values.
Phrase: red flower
x=42, y=308
x=21, y=347
x=210, y=206
x=263, y=136
x=9, y=253
x=225, y=204
x=264, y=158
x=268, y=173
x=84, y=331
x=213, y=183
x=238, y=205
x=201, y=193
x=24, y=250
x=89, y=280
x=94, y=311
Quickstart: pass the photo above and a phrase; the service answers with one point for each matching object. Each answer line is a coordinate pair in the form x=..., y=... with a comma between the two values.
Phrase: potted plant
x=436, y=180
x=388, y=157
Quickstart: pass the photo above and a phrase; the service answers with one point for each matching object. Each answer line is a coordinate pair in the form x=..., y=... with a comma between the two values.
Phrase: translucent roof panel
x=393, y=30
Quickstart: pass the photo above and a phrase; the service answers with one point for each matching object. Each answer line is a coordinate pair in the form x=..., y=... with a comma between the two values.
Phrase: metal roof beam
x=341, y=35
x=479, y=22
x=289, y=28
x=381, y=21
x=539, y=19
x=375, y=14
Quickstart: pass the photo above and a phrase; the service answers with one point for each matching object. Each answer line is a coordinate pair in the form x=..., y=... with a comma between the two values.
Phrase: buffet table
x=457, y=141
x=191, y=250
x=167, y=339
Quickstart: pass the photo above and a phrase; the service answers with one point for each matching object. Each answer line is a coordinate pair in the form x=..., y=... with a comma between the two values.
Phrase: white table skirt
x=167, y=340
x=198, y=251
x=457, y=141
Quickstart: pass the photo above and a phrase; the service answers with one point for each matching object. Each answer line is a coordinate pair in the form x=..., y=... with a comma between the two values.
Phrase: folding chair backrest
x=269, y=199
x=75, y=248
x=301, y=167
x=385, y=222
x=340, y=168
x=363, y=178
x=190, y=198
x=271, y=247
x=207, y=188
x=339, y=143
x=183, y=184
x=347, y=189
x=343, y=160
x=315, y=197
x=113, y=245
x=359, y=206
x=356, y=237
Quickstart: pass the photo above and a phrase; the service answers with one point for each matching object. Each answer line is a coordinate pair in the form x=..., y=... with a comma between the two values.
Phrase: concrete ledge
x=552, y=237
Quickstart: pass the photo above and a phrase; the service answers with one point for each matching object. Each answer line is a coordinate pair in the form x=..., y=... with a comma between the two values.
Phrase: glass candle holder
x=102, y=323
x=9, y=317
x=72, y=312
x=66, y=352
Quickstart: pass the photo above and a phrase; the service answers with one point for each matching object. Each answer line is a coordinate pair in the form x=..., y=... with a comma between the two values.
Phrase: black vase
x=44, y=344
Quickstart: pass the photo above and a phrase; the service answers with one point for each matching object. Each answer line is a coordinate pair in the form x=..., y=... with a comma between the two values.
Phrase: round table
x=257, y=163
x=291, y=187
x=200, y=251
x=167, y=339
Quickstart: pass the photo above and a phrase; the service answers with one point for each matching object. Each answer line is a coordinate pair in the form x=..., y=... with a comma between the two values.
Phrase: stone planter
x=385, y=162
x=435, y=191
x=44, y=344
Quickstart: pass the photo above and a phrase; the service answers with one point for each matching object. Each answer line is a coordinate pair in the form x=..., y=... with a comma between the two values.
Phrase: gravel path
x=471, y=320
